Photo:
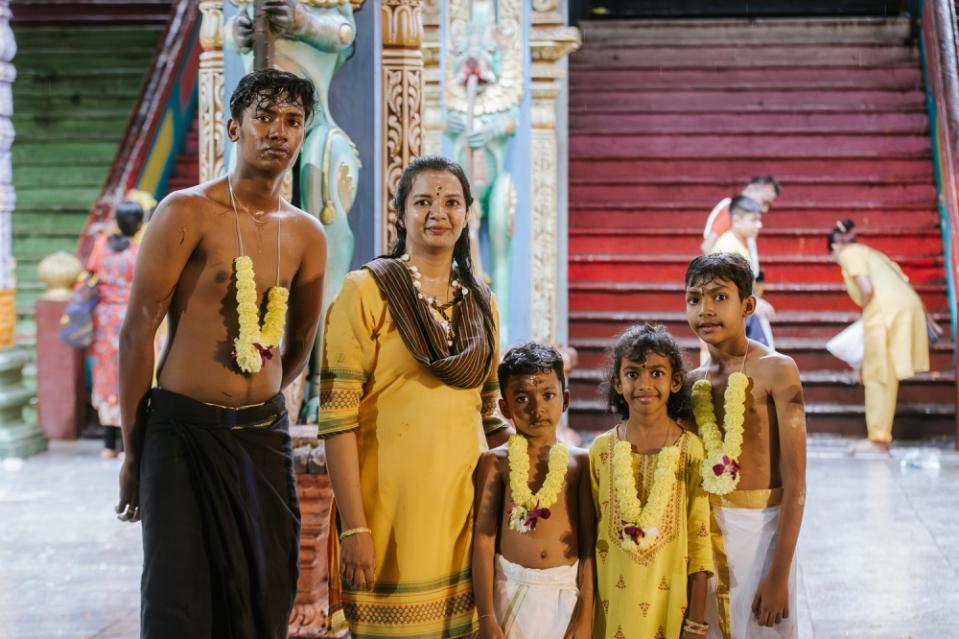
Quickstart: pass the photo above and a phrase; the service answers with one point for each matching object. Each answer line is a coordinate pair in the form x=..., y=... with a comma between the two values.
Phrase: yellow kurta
x=419, y=441
x=896, y=342
x=643, y=595
x=729, y=243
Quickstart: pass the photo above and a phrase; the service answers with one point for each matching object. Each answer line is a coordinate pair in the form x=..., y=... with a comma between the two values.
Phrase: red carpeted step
x=893, y=122
x=733, y=55
x=669, y=296
x=821, y=215
x=601, y=78
x=822, y=325
x=739, y=170
x=596, y=189
x=823, y=31
x=912, y=241
x=808, y=353
x=825, y=147
x=818, y=386
x=778, y=268
x=913, y=421
x=681, y=99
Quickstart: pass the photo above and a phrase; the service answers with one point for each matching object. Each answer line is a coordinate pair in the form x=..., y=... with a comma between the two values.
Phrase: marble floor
x=878, y=556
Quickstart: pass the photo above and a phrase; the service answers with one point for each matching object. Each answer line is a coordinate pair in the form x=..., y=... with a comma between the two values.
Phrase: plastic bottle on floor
x=921, y=459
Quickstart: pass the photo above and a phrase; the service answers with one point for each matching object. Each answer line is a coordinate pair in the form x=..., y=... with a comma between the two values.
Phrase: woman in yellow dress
x=408, y=390
x=653, y=550
x=896, y=341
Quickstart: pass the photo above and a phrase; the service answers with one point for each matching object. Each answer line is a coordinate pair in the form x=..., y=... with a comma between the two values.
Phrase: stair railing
x=167, y=68
x=938, y=44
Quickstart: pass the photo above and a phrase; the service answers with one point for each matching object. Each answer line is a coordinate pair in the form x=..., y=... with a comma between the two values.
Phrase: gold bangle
x=695, y=628
x=354, y=531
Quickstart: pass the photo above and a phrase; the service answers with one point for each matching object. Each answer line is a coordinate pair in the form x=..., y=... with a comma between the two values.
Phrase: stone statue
x=313, y=38
x=480, y=130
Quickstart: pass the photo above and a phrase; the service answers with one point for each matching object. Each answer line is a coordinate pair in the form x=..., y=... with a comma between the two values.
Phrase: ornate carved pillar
x=550, y=42
x=402, y=24
x=18, y=438
x=432, y=79
x=211, y=90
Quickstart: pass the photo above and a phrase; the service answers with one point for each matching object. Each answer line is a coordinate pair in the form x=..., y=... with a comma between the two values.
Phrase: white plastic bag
x=848, y=345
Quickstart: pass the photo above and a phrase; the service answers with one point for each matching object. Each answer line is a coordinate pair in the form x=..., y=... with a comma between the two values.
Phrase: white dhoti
x=533, y=603
x=748, y=522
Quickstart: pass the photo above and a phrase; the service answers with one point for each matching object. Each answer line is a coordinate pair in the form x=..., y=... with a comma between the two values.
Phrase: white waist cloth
x=533, y=603
x=749, y=537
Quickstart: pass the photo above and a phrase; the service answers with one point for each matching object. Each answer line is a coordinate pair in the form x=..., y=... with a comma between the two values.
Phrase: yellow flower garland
x=720, y=469
x=254, y=344
x=527, y=507
x=641, y=523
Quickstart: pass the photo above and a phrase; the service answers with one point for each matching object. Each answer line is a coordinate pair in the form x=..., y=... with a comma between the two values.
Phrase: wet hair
x=843, y=230
x=744, y=205
x=767, y=180
x=269, y=87
x=721, y=266
x=636, y=343
x=129, y=218
x=529, y=359
x=461, y=251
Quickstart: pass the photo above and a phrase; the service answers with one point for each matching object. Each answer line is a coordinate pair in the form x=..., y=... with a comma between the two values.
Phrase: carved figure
x=313, y=38
x=480, y=137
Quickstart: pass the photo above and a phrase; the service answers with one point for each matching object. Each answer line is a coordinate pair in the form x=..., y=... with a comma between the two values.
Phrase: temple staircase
x=80, y=66
x=668, y=117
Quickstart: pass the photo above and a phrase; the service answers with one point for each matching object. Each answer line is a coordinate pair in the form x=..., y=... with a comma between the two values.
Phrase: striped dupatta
x=464, y=365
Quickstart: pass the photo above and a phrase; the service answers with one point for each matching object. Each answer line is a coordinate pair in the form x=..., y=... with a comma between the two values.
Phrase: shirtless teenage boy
x=208, y=460
x=541, y=542
x=753, y=593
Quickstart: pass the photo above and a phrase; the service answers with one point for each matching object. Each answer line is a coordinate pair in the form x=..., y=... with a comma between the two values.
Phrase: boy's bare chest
x=212, y=268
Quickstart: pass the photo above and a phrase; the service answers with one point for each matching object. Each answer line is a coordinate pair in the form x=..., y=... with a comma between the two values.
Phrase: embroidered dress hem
x=440, y=609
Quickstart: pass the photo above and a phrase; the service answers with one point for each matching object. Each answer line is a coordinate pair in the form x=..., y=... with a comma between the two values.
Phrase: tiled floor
x=879, y=552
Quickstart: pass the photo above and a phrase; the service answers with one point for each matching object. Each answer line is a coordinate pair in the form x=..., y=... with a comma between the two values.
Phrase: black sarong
x=221, y=521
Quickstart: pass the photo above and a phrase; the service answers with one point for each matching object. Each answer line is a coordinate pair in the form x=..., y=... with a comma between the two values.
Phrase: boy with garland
x=653, y=552
x=755, y=466
x=209, y=462
x=532, y=551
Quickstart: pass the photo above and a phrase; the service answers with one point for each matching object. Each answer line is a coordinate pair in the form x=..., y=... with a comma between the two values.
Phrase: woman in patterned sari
x=112, y=261
x=408, y=390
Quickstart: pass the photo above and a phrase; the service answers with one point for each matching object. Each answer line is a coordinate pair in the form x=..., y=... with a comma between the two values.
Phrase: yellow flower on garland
x=641, y=523
x=527, y=507
x=720, y=468
x=254, y=345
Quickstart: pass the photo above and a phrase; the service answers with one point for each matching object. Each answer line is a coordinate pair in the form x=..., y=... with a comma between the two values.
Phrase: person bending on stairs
x=896, y=329
x=209, y=461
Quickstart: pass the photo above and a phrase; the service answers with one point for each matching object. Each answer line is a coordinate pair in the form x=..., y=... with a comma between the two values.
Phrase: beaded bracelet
x=354, y=531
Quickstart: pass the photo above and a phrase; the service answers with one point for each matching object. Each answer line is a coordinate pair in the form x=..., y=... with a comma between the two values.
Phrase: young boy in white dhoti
x=534, y=532
x=748, y=406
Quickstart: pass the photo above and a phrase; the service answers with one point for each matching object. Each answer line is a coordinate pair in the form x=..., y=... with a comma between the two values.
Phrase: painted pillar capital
x=550, y=41
x=402, y=60
x=211, y=90
x=432, y=78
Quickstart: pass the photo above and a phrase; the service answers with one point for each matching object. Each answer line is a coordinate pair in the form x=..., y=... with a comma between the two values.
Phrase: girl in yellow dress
x=896, y=341
x=653, y=541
